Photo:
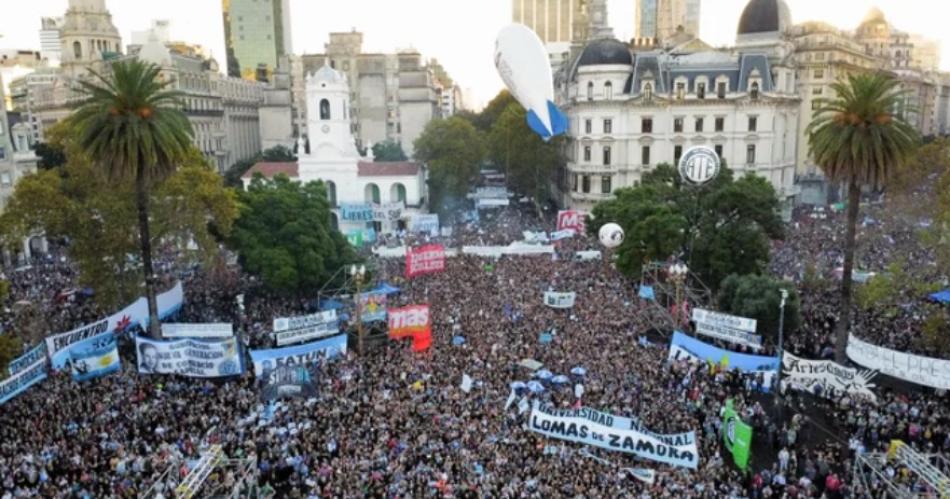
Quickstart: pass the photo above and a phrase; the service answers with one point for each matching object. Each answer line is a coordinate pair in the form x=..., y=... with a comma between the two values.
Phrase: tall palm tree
x=133, y=127
x=859, y=138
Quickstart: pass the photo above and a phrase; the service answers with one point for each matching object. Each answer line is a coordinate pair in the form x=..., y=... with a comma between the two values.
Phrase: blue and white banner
x=591, y=427
x=555, y=299
x=563, y=234
x=23, y=379
x=99, y=358
x=358, y=212
x=26, y=360
x=425, y=222
x=197, y=330
x=300, y=355
x=190, y=357
x=687, y=347
x=58, y=346
x=288, y=330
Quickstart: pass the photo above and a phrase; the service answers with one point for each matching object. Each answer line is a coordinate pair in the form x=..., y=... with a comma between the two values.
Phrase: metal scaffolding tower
x=196, y=484
x=668, y=292
x=925, y=477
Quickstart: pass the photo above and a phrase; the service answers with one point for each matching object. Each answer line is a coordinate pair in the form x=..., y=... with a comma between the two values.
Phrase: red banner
x=408, y=321
x=422, y=340
x=425, y=260
x=570, y=219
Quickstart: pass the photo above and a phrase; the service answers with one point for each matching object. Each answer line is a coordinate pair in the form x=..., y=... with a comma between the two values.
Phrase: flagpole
x=781, y=339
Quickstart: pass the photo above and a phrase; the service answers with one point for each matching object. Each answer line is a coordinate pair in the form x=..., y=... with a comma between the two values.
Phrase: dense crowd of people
x=397, y=423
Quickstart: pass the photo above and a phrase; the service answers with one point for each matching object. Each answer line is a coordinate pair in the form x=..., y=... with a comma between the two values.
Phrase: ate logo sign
x=414, y=317
x=570, y=219
x=699, y=165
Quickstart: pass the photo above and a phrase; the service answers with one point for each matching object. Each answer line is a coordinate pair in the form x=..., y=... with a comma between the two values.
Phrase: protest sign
x=356, y=212
x=407, y=321
x=100, y=359
x=729, y=334
x=425, y=222
x=559, y=300
x=288, y=381
x=826, y=378
x=927, y=371
x=190, y=357
x=570, y=219
x=425, y=260
x=372, y=306
x=297, y=355
x=195, y=330
x=687, y=347
x=26, y=360
x=24, y=378
x=725, y=320
x=289, y=330
x=737, y=436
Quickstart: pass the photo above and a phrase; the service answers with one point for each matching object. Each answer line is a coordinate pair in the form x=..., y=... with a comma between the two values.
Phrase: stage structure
x=675, y=292
x=927, y=470
x=213, y=462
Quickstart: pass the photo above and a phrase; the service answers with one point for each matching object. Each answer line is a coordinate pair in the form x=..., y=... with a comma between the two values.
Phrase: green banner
x=737, y=436
x=355, y=238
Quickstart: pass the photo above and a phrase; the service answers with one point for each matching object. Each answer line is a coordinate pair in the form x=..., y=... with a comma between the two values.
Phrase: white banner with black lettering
x=729, y=334
x=826, y=378
x=590, y=427
x=190, y=357
x=197, y=330
x=927, y=371
x=559, y=300
x=724, y=320
x=289, y=330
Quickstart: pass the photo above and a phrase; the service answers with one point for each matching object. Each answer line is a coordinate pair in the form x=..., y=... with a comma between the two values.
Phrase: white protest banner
x=189, y=357
x=425, y=222
x=490, y=203
x=729, y=334
x=591, y=427
x=826, y=378
x=288, y=330
x=25, y=377
x=534, y=237
x=918, y=369
x=563, y=234
x=466, y=385
x=725, y=320
x=197, y=330
x=559, y=300
x=587, y=256
x=389, y=212
x=297, y=355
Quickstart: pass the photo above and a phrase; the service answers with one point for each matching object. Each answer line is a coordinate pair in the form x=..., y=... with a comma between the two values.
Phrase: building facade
x=50, y=42
x=661, y=19
x=16, y=151
x=87, y=36
x=331, y=156
x=257, y=34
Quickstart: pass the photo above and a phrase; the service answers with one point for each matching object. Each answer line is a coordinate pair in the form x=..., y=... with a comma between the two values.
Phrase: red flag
x=422, y=340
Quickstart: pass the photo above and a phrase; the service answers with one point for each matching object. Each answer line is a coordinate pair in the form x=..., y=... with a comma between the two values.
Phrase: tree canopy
x=453, y=150
x=527, y=161
x=388, y=150
x=718, y=229
x=758, y=297
x=278, y=154
x=284, y=236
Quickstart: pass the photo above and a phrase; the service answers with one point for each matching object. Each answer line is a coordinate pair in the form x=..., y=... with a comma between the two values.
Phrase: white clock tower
x=328, y=117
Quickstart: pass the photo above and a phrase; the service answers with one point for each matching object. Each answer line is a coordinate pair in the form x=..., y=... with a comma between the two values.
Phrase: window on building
x=818, y=90
x=331, y=193
x=324, y=109
x=5, y=178
x=750, y=154
x=585, y=184
x=588, y=126
x=699, y=124
x=678, y=125
x=753, y=123
x=701, y=90
x=648, y=91
x=680, y=90
x=721, y=90
x=609, y=90
x=645, y=155
x=815, y=105
x=587, y=153
x=819, y=74
x=720, y=124
x=605, y=184
x=574, y=183
x=590, y=90
x=371, y=193
x=754, y=90
x=606, y=155
x=677, y=153
x=77, y=50
x=646, y=125
x=3, y=153
x=608, y=126
x=718, y=149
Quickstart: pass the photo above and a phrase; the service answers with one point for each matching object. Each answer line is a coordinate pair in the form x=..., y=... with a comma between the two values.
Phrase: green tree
x=759, y=297
x=388, y=150
x=484, y=120
x=858, y=139
x=719, y=229
x=98, y=216
x=452, y=149
x=10, y=348
x=49, y=155
x=132, y=127
x=283, y=235
x=278, y=154
x=528, y=161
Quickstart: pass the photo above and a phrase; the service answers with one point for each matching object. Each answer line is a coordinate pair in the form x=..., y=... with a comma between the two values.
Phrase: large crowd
x=397, y=424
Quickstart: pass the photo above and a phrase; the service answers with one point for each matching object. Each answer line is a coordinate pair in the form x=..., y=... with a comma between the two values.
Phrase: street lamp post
x=678, y=272
x=358, y=274
x=781, y=340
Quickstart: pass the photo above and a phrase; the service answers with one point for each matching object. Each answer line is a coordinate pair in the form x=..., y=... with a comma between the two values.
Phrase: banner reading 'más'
x=425, y=260
x=570, y=219
x=591, y=427
x=408, y=321
x=826, y=378
x=559, y=300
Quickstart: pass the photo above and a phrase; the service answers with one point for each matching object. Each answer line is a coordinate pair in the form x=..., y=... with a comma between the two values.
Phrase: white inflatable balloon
x=524, y=66
x=611, y=235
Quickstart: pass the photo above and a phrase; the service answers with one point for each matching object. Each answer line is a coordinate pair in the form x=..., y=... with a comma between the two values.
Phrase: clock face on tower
x=325, y=128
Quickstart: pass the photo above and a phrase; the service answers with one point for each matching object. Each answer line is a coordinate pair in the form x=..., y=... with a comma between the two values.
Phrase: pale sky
x=460, y=33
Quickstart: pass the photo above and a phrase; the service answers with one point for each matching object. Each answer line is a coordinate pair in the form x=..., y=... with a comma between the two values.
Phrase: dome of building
x=764, y=16
x=874, y=16
x=604, y=52
x=328, y=75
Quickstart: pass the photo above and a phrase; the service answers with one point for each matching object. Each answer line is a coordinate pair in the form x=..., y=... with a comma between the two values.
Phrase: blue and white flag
x=25, y=377
x=646, y=292
x=687, y=347
x=26, y=360
x=99, y=359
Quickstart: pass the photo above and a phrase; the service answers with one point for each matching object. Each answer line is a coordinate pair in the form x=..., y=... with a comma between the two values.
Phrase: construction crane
x=929, y=470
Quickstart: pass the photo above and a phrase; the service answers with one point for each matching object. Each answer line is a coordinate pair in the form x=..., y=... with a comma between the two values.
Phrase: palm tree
x=133, y=127
x=859, y=138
